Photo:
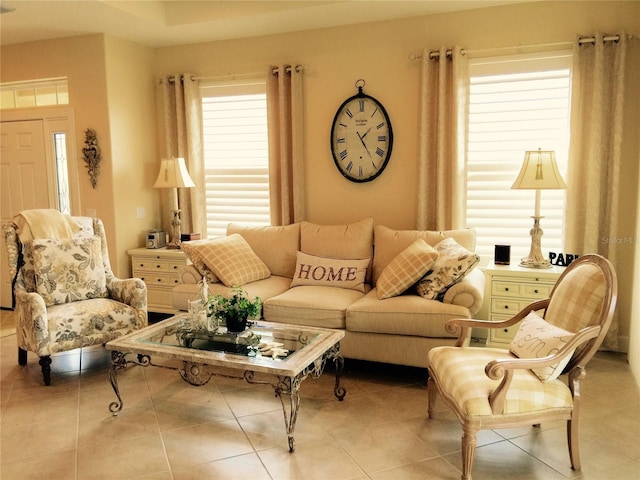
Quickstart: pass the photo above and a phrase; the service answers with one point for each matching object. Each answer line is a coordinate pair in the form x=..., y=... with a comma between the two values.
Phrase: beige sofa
x=291, y=272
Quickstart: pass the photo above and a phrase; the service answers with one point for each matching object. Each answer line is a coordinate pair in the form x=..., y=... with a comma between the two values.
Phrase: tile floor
x=228, y=429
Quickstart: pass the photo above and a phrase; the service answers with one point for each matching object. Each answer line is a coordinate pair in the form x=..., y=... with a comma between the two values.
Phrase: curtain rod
x=232, y=76
x=582, y=40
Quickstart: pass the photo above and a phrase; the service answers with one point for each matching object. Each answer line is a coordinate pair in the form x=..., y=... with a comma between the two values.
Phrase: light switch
x=140, y=213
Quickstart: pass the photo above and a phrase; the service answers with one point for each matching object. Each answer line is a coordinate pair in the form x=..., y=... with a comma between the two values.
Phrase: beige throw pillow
x=454, y=262
x=69, y=270
x=537, y=338
x=193, y=249
x=330, y=272
x=232, y=260
x=406, y=269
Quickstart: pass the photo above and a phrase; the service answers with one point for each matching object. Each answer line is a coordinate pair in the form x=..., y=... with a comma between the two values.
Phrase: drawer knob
x=506, y=289
x=159, y=280
x=506, y=330
x=158, y=266
x=536, y=291
x=506, y=307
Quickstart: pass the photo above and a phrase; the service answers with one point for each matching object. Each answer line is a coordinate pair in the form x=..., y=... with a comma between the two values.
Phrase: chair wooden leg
x=22, y=356
x=431, y=396
x=469, y=442
x=572, y=438
x=45, y=363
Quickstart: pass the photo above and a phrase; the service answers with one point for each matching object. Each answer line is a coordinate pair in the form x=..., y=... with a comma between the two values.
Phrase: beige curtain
x=442, y=154
x=595, y=151
x=286, y=165
x=181, y=107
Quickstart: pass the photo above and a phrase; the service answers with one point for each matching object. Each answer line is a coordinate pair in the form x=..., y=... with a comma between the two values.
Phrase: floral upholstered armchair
x=65, y=295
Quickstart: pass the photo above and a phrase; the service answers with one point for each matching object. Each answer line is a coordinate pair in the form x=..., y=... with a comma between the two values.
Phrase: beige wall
x=132, y=115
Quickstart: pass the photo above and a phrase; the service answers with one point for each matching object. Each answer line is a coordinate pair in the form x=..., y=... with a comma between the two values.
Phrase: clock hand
x=365, y=133
x=365, y=145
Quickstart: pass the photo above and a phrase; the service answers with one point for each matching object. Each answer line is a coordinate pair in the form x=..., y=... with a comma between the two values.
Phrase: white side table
x=159, y=269
x=510, y=288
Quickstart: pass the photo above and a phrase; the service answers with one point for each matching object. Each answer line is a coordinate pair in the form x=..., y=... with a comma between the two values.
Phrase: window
x=35, y=93
x=236, y=155
x=62, y=175
x=515, y=104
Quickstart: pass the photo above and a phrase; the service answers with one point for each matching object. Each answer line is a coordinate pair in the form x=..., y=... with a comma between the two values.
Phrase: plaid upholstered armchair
x=491, y=388
x=65, y=295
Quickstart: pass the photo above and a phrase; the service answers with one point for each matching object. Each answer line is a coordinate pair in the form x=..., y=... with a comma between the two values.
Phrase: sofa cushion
x=275, y=245
x=347, y=242
x=312, y=306
x=389, y=243
x=402, y=315
x=537, y=338
x=406, y=269
x=69, y=270
x=453, y=263
x=330, y=272
x=233, y=261
x=263, y=289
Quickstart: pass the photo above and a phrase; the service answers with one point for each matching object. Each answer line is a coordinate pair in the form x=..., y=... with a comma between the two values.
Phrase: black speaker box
x=502, y=255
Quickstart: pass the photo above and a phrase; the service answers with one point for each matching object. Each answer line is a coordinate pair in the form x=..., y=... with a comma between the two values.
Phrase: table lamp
x=539, y=172
x=173, y=174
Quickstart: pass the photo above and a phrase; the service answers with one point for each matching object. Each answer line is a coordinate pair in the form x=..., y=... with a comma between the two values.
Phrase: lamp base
x=535, y=258
x=175, y=231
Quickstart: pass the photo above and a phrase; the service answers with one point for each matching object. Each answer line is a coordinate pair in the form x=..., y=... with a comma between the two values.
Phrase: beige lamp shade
x=173, y=174
x=539, y=172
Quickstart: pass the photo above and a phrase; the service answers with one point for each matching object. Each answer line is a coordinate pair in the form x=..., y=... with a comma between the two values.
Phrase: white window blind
x=516, y=103
x=235, y=154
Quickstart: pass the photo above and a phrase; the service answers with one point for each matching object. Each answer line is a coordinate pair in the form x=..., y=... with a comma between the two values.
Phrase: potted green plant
x=235, y=310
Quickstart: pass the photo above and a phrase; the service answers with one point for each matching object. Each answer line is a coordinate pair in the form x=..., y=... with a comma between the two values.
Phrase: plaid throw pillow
x=406, y=269
x=233, y=261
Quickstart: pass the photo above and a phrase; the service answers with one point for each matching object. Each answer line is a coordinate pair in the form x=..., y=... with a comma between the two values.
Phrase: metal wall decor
x=92, y=155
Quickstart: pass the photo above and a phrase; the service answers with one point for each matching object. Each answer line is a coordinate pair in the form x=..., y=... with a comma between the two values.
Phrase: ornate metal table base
x=199, y=374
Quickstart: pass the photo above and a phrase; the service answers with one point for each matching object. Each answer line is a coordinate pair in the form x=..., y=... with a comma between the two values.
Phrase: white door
x=24, y=181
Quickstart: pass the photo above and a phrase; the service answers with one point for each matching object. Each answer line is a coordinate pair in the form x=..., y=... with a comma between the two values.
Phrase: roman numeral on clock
x=343, y=154
x=348, y=112
x=379, y=152
x=382, y=138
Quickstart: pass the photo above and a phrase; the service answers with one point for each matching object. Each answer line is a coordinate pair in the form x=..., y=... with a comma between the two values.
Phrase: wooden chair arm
x=462, y=326
x=504, y=368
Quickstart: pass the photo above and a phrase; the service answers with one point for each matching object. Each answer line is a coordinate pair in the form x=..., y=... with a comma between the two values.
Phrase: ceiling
x=162, y=23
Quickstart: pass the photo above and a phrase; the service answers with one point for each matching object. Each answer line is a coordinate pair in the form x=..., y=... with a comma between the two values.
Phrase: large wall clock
x=361, y=137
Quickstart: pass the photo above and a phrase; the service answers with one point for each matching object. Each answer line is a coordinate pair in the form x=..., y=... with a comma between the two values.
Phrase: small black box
x=186, y=237
x=502, y=255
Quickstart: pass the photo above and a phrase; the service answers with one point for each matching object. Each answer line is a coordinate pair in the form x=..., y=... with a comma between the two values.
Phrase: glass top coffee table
x=266, y=353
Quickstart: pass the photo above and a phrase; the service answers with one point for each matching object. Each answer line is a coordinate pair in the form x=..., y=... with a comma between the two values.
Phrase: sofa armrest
x=467, y=293
x=190, y=274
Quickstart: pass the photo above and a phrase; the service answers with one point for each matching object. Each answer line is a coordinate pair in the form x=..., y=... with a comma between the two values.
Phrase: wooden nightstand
x=510, y=288
x=159, y=268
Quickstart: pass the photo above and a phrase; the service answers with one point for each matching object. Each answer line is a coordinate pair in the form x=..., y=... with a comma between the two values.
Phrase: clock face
x=361, y=138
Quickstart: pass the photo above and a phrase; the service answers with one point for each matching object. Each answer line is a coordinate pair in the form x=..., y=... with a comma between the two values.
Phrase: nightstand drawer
x=151, y=278
x=503, y=335
x=154, y=265
x=537, y=291
x=506, y=306
x=506, y=289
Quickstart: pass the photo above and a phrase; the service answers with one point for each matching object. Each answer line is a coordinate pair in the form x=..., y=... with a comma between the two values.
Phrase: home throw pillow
x=406, y=269
x=453, y=263
x=233, y=261
x=69, y=270
x=330, y=272
x=537, y=338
